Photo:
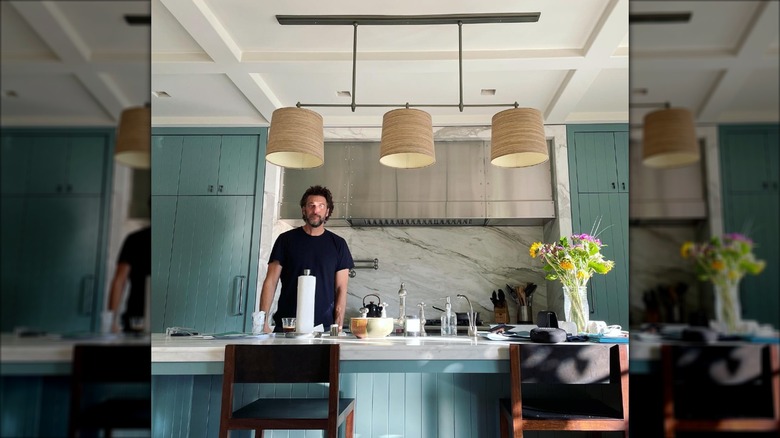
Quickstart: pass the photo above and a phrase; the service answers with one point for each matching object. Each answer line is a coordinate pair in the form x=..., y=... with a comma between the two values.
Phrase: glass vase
x=575, y=306
x=728, y=311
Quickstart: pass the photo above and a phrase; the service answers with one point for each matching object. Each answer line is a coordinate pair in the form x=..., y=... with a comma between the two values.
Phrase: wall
x=438, y=261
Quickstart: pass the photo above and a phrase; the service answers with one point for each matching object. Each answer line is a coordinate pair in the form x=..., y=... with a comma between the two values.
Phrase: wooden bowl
x=371, y=327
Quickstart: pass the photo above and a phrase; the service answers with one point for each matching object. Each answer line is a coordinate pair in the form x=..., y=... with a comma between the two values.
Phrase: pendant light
x=407, y=139
x=296, y=139
x=133, y=144
x=407, y=133
x=517, y=138
x=669, y=139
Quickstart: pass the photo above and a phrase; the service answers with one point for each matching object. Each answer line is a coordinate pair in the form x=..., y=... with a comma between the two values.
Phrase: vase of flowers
x=724, y=261
x=573, y=260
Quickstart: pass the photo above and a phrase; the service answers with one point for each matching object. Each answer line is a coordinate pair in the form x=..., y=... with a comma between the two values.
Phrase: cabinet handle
x=87, y=294
x=238, y=295
x=765, y=185
x=591, y=299
x=613, y=185
x=219, y=188
x=211, y=188
x=623, y=185
x=59, y=188
x=68, y=188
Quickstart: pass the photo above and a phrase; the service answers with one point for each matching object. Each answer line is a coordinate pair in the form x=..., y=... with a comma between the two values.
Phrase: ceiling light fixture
x=407, y=133
x=668, y=137
x=133, y=146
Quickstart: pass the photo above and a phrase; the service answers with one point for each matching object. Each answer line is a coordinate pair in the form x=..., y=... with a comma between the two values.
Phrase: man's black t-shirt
x=323, y=255
x=137, y=251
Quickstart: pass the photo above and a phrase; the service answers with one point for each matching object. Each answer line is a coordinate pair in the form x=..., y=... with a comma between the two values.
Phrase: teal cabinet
x=207, y=205
x=598, y=177
x=54, y=210
x=751, y=205
x=602, y=161
x=204, y=164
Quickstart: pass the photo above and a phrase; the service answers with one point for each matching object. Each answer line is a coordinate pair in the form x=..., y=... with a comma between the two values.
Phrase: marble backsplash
x=656, y=265
x=434, y=263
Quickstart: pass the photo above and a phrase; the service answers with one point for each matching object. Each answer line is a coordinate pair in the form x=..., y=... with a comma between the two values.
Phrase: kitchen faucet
x=472, y=317
x=422, y=318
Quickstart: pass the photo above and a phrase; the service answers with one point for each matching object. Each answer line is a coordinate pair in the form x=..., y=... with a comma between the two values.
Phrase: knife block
x=501, y=315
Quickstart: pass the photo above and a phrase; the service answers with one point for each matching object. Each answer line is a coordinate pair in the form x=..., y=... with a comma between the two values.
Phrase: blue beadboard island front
x=404, y=387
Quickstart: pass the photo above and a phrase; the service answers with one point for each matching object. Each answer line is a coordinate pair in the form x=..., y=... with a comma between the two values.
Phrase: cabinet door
x=207, y=284
x=57, y=289
x=745, y=161
x=621, y=161
x=166, y=163
x=14, y=163
x=164, y=208
x=85, y=167
x=11, y=278
x=237, y=165
x=48, y=158
x=595, y=161
x=758, y=215
x=607, y=294
x=199, y=165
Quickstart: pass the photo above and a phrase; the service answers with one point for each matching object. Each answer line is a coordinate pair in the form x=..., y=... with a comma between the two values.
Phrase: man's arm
x=342, y=278
x=117, y=288
x=267, y=293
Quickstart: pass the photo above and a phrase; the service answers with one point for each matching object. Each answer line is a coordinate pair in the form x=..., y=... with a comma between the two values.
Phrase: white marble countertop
x=54, y=348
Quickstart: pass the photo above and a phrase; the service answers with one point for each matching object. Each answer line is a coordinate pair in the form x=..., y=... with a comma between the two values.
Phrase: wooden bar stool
x=247, y=363
x=721, y=388
x=566, y=364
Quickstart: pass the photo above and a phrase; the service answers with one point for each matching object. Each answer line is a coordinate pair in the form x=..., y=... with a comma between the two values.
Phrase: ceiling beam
x=753, y=47
x=406, y=20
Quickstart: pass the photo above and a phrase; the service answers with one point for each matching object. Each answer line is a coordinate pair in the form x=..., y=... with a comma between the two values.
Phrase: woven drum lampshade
x=296, y=139
x=517, y=138
x=133, y=138
x=669, y=139
x=407, y=139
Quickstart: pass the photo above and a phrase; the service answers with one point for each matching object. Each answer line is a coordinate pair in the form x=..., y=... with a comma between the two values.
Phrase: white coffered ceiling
x=229, y=62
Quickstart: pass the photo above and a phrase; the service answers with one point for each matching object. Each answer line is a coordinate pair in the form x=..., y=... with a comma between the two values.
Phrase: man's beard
x=314, y=220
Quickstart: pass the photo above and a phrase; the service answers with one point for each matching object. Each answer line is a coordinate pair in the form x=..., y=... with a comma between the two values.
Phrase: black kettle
x=374, y=310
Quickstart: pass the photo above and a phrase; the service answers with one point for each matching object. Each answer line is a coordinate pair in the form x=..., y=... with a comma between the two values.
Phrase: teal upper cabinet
x=54, y=227
x=53, y=164
x=601, y=158
x=598, y=176
x=204, y=165
x=749, y=156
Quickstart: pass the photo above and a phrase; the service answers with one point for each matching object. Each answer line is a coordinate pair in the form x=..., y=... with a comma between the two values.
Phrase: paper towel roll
x=304, y=315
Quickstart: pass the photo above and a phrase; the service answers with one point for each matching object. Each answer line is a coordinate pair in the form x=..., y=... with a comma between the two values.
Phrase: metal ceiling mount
x=397, y=20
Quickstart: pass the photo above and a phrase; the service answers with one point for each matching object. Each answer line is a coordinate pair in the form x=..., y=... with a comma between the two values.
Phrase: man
x=311, y=247
x=135, y=264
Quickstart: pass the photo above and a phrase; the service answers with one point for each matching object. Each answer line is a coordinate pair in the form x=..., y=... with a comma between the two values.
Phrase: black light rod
x=363, y=20
x=405, y=105
x=659, y=17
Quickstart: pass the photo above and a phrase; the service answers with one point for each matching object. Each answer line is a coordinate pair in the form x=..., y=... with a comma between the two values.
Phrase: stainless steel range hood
x=461, y=189
x=675, y=195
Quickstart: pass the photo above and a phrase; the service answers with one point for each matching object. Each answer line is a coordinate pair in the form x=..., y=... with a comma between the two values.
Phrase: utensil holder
x=525, y=314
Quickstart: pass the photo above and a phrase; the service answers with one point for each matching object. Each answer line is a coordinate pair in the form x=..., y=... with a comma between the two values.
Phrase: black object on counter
x=548, y=335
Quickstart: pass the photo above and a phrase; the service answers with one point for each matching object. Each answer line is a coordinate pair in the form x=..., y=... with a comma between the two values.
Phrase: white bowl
x=371, y=327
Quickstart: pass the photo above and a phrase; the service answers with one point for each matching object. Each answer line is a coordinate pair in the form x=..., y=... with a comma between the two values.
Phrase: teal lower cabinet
x=395, y=404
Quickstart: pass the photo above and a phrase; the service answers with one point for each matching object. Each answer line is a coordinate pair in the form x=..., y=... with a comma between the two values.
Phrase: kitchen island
x=412, y=387
x=403, y=386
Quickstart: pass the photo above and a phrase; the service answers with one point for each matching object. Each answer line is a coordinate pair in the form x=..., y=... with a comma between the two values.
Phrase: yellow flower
x=582, y=275
x=567, y=265
x=534, y=251
x=685, y=249
x=718, y=265
x=733, y=275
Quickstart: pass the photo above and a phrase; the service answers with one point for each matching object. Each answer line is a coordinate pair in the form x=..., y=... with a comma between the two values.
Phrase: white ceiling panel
x=229, y=62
